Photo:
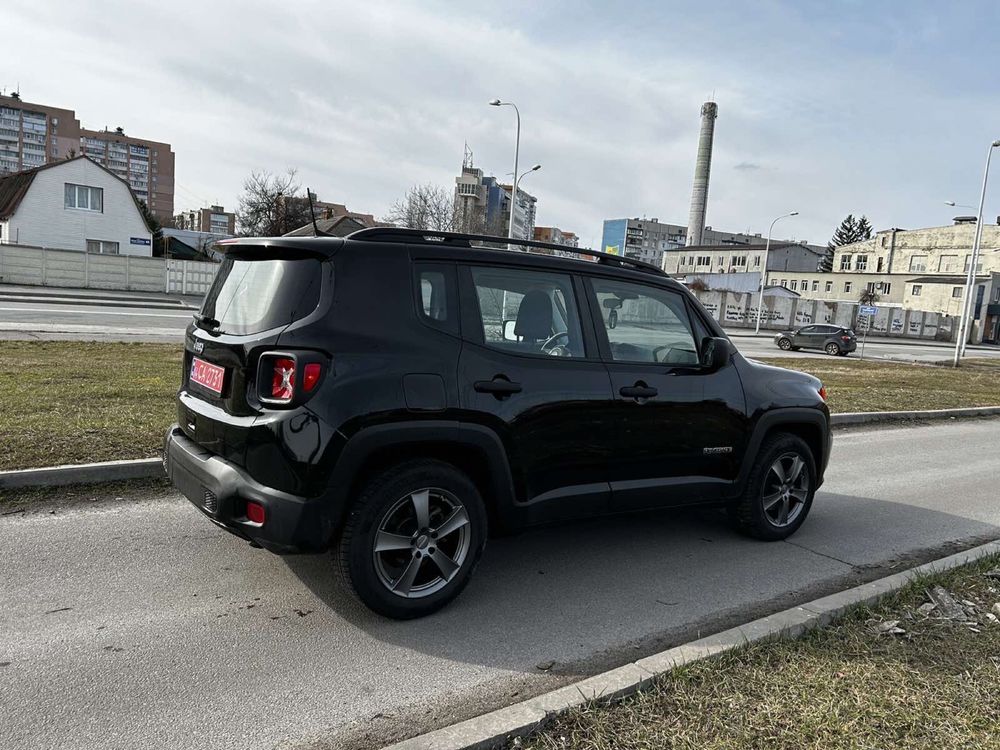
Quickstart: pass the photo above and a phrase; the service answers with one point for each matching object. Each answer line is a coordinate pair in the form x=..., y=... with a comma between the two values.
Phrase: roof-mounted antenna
x=312, y=213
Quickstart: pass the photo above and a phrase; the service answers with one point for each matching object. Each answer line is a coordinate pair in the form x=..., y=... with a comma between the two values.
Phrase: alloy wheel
x=785, y=344
x=832, y=349
x=421, y=543
x=786, y=488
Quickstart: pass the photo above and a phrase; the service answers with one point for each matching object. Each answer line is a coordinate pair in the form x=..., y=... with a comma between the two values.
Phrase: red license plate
x=207, y=375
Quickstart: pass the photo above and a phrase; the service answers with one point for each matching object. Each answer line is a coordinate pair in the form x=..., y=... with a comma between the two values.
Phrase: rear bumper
x=220, y=490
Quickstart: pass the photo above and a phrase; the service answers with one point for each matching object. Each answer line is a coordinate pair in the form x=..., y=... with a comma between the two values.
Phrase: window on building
x=84, y=197
x=916, y=289
x=848, y=286
x=918, y=263
x=968, y=262
x=845, y=262
x=795, y=285
x=805, y=284
x=829, y=287
x=886, y=287
x=870, y=286
x=722, y=260
x=784, y=283
x=704, y=260
x=102, y=246
x=815, y=286
x=740, y=261
x=948, y=264
x=957, y=292
x=756, y=261
x=881, y=263
x=861, y=263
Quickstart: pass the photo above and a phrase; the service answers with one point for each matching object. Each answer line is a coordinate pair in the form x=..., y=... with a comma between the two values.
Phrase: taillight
x=846, y=338
x=822, y=392
x=283, y=379
x=310, y=376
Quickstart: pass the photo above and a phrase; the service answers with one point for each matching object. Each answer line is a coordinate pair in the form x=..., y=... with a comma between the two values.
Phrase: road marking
x=65, y=311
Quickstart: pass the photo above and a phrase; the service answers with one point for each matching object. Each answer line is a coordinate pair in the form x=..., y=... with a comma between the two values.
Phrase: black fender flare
x=368, y=441
x=774, y=419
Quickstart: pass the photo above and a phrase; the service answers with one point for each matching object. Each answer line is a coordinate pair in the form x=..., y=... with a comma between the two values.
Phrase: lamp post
x=763, y=270
x=523, y=174
x=970, y=280
x=517, y=147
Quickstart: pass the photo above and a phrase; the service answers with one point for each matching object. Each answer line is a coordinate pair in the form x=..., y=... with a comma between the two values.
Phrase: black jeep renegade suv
x=400, y=394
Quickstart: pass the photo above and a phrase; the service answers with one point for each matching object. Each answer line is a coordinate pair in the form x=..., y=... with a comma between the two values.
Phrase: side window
x=528, y=312
x=437, y=297
x=809, y=329
x=645, y=324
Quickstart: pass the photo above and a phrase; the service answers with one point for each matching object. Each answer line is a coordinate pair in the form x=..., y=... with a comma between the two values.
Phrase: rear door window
x=528, y=312
x=437, y=295
x=251, y=295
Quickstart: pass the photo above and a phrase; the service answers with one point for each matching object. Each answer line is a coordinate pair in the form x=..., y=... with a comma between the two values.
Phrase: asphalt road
x=136, y=624
x=80, y=319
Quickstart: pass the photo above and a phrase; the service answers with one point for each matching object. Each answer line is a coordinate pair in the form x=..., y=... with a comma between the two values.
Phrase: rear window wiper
x=206, y=322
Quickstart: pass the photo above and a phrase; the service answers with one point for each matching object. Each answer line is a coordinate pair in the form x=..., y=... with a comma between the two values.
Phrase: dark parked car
x=829, y=338
x=398, y=395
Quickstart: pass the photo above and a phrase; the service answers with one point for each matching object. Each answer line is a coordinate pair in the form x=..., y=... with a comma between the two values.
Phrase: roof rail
x=460, y=239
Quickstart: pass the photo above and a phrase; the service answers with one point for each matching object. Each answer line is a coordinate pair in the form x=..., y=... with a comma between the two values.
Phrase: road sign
x=867, y=310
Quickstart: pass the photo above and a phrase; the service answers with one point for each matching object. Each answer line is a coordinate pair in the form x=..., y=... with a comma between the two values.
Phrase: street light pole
x=763, y=270
x=970, y=279
x=517, y=148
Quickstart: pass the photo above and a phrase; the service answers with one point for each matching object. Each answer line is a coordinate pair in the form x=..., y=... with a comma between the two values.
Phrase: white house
x=74, y=205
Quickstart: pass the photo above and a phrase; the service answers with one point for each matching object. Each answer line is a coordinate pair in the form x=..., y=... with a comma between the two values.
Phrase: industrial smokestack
x=702, y=170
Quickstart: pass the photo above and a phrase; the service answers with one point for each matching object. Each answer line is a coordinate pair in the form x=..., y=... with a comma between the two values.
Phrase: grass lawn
x=64, y=402
x=856, y=385
x=935, y=685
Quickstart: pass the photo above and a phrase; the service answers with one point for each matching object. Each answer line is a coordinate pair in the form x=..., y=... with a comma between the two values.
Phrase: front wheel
x=413, y=538
x=779, y=491
x=832, y=349
x=784, y=344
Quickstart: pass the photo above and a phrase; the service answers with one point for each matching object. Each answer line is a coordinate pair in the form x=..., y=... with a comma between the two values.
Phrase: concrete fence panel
x=37, y=266
x=739, y=310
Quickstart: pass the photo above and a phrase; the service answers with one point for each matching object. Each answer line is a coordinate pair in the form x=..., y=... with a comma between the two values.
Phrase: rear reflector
x=283, y=379
x=310, y=376
x=255, y=512
x=822, y=392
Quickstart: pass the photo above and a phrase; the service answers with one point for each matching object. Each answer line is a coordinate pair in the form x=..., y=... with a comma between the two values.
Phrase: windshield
x=249, y=296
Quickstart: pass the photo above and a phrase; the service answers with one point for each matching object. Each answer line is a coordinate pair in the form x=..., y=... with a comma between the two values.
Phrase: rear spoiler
x=322, y=247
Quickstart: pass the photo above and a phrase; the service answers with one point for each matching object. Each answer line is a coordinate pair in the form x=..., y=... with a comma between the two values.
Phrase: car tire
x=773, y=508
x=832, y=349
x=785, y=345
x=390, y=553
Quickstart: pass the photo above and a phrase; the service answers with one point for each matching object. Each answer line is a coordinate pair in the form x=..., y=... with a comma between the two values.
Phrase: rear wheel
x=413, y=538
x=779, y=491
x=785, y=344
x=832, y=349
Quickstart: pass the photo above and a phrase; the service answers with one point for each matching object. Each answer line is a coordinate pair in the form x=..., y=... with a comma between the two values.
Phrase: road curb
x=147, y=468
x=57, y=476
x=492, y=729
x=868, y=417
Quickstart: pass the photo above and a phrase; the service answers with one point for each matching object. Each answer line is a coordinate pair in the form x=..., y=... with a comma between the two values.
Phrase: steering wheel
x=549, y=346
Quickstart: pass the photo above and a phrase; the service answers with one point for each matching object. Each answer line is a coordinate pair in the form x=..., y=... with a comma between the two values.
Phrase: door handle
x=499, y=387
x=639, y=390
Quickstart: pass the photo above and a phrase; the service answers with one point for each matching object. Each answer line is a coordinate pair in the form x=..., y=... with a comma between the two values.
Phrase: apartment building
x=32, y=135
x=649, y=239
x=556, y=236
x=214, y=220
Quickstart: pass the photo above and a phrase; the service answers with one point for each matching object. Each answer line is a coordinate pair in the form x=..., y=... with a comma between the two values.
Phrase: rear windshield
x=254, y=295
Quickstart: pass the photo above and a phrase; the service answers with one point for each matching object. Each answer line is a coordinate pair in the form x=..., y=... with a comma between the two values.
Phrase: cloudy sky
x=877, y=107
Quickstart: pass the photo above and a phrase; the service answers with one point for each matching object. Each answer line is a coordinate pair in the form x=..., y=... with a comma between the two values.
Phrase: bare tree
x=271, y=205
x=424, y=207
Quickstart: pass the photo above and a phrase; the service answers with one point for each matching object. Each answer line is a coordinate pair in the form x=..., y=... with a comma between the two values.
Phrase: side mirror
x=715, y=353
x=508, y=330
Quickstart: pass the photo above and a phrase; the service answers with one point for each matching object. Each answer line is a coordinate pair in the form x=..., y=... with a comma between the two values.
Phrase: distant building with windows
x=32, y=135
x=73, y=204
x=214, y=220
x=781, y=256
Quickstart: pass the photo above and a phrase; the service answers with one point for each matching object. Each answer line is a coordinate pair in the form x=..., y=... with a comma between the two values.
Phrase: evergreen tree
x=850, y=230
